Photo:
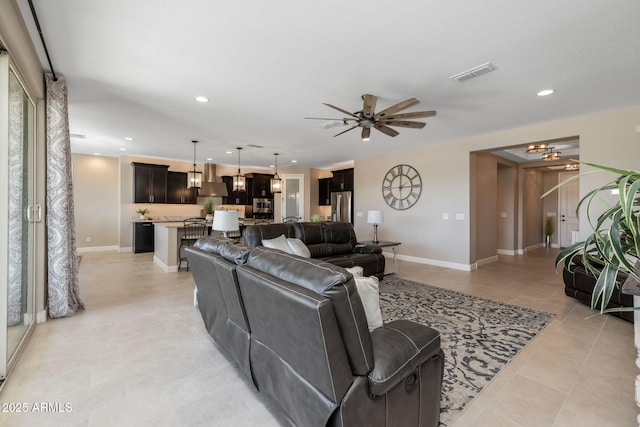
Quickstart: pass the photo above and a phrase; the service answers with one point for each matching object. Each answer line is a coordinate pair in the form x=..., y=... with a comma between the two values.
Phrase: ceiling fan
x=382, y=120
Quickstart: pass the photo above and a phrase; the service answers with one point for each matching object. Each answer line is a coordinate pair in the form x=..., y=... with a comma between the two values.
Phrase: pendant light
x=276, y=182
x=238, y=180
x=194, y=177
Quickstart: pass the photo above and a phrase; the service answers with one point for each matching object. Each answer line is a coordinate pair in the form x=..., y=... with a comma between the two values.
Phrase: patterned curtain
x=63, y=282
x=16, y=199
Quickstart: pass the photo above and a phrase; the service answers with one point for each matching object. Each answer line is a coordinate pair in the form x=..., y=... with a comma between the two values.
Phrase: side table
x=394, y=249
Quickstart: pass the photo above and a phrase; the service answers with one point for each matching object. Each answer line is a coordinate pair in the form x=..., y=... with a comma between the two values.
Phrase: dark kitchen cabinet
x=142, y=237
x=177, y=191
x=342, y=180
x=237, y=197
x=149, y=183
x=261, y=185
x=324, y=191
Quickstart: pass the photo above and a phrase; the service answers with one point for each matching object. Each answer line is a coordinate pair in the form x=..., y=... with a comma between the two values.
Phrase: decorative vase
x=208, y=217
x=142, y=217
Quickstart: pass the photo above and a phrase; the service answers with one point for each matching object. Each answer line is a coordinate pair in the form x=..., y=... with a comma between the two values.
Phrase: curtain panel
x=63, y=281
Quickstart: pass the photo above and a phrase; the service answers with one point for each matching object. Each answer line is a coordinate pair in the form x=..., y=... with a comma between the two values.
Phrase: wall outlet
x=445, y=216
x=503, y=214
x=359, y=214
x=460, y=216
x=88, y=239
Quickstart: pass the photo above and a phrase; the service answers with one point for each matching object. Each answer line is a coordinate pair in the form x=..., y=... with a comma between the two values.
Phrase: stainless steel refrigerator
x=341, y=206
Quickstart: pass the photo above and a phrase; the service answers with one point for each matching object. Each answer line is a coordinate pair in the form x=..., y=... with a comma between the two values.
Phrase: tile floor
x=139, y=355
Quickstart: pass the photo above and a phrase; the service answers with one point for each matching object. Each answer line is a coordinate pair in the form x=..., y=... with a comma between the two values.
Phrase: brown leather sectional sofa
x=579, y=284
x=297, y=329
x=333, y=242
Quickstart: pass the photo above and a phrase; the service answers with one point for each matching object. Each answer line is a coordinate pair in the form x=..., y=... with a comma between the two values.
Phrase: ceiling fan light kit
x=383, y=121
x=550, y=155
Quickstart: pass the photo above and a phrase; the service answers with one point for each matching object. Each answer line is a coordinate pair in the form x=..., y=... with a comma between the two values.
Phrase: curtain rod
x=44, y=44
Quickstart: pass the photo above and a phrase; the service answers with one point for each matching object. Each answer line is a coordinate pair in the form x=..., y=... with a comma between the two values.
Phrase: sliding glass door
x=18, y=215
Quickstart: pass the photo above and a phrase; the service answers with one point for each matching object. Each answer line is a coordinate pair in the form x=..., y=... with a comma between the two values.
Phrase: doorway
x=291, y=198
x=568, y=197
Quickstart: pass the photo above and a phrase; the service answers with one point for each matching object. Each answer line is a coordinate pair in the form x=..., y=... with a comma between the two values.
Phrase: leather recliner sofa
x=297, y=329
x=333, y=242
x=579, y=284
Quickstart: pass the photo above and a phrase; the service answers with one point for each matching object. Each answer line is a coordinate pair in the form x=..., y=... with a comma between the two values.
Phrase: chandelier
x=239, y=181
x=551, y=155
x=276, y=182
x=536, y=148
x=194, y=177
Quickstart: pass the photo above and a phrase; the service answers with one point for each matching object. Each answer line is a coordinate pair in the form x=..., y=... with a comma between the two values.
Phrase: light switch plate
x=460, y=216
x=445, y=216
x=359, y=214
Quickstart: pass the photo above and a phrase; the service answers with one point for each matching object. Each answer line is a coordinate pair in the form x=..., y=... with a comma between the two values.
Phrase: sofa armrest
x=399, y=347
x=366, y=249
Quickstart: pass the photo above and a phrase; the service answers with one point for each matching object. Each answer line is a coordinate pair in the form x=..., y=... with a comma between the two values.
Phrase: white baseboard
x=98, y=249
x=41, y=316
x=195, y=296
x=436, y=262
x=126, y=248
x=487, y=260
x=509, y=252
x=165, y=267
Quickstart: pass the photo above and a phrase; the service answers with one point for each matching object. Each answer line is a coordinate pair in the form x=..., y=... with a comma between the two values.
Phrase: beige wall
x=485, y=184
x=607, y=138
x=96, y=200
x=532, y=223
x=550, y=204
x=507, y=208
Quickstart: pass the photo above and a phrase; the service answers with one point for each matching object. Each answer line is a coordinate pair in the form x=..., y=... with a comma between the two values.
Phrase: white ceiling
x=134, y=67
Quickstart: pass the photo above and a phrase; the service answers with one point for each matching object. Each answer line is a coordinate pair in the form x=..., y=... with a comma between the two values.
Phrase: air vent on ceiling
x=255, y=146
x=474, y=72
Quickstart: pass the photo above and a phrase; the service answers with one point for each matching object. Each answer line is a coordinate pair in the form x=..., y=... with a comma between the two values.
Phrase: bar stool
x=194, y=228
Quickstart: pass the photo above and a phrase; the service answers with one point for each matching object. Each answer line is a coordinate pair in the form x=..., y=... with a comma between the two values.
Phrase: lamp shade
x=374, y=217
x=225, y=221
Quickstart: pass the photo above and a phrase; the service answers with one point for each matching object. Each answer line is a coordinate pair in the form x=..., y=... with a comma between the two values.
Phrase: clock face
x=401, y=187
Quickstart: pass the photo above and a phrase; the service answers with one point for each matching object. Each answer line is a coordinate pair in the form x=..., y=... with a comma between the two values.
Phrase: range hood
x=211, y=184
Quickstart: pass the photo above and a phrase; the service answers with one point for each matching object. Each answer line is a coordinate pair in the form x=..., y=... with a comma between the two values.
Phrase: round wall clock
x=401, y=187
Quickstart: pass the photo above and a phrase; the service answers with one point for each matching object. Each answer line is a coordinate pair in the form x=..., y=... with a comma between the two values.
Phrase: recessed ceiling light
x=294, y=161
x=228, y=152
x=209, y=159
x=96, y=154
x=123, y=149
x=128, y=138
x=545, y=92
x=202, y=99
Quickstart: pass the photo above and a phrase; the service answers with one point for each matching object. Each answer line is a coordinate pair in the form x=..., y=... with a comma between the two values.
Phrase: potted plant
x=316, y=218
x=208, y=208
x=548, y=231
x=614, y=243
x=142, y=212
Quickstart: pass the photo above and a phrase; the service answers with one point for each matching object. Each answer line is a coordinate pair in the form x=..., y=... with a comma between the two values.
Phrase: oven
x=262, y=205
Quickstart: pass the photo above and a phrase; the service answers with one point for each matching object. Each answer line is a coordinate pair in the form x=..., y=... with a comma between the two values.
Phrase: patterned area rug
x=478, y=336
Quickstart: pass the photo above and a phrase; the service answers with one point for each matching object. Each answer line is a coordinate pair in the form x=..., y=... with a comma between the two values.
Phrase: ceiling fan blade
x=321, y=118
x=366, y=132
x=405, y=124
x=344, y=131
x=341, y=110
x=397, y=107
x=386, y=130
x=413, y=115
x=369, y=105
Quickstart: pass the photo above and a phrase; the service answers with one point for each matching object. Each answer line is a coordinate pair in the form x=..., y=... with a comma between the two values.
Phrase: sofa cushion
x=297, y=247
x=235, y=253
x=339, y=232
x=254, y=234
x=212, y=244
x=279, y=242
x=309, y=232
x=331, y=282
x=368, y=290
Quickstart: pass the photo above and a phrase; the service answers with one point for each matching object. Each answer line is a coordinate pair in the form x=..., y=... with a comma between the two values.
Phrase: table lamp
x=375, y=218
x=225, y=221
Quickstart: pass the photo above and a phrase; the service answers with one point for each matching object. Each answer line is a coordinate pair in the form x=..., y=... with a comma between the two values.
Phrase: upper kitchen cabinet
x=342, y=180
x=261, y=185
x=177, y=191
x=324, y=191
x=237, y=197
x=149, y=183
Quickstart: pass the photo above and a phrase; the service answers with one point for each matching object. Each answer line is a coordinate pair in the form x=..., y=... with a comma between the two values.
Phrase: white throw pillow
x=279, y=242
x=368, y=290
x=355, y=271
x=297, y=247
